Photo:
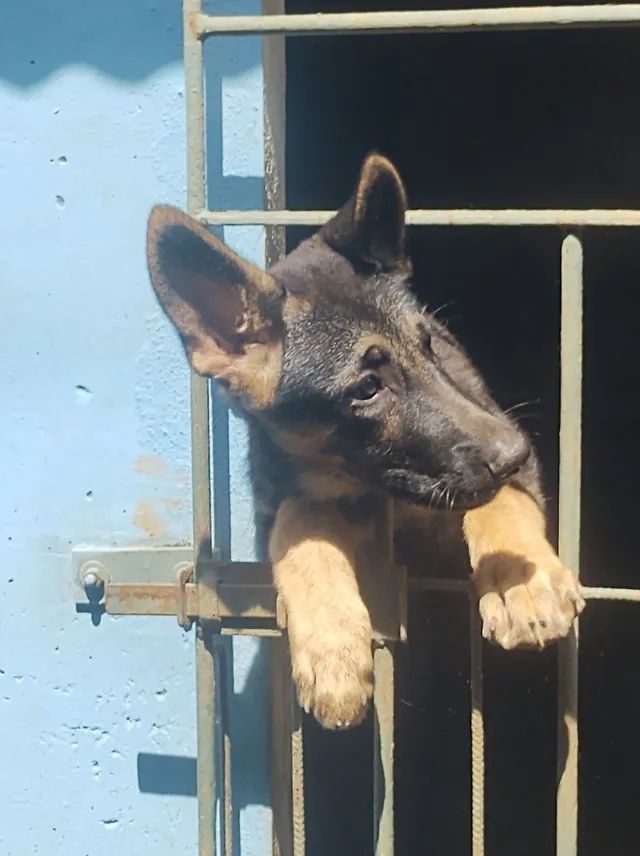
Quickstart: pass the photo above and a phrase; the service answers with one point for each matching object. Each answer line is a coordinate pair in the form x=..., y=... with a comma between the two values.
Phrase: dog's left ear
x=370, y=227
x=228, y=312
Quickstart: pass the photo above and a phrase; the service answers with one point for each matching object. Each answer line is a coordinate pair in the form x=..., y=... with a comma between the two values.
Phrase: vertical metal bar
x=569, y=538
x=280, y=749
x=206, y=772
x=287, y=765
x=297, y=776
x=477, y=732
x=383, y=705
x=201, y=476
x=225, y=727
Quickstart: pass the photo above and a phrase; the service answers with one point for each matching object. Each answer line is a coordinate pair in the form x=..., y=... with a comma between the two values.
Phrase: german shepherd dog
x=352, y=390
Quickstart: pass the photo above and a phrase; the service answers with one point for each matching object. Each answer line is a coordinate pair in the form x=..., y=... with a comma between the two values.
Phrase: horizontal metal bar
x=245, y=599
x=239, y=592
x=441, y=585
x=600, y=593
x=356, y=23
x=466, y=587
x=439, y=217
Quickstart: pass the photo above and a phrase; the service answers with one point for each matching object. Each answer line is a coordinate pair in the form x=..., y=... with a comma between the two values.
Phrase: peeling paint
x=145, y=517
x=154, y=467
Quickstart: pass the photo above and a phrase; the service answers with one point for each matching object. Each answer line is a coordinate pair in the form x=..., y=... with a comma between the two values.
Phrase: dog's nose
x=507, y=456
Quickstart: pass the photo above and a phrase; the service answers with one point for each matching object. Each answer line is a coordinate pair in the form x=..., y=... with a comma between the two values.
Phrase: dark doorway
x=538, y=119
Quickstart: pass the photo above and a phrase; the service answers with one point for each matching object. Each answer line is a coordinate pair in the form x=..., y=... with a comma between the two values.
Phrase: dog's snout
x=507, y=455
x=502, y=457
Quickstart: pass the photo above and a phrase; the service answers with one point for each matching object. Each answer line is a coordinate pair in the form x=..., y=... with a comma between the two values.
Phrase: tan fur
x=251, y=361
x=313, y=551
x=320, y=473
x=253, y=375
x=373, y=165
x=527, y=597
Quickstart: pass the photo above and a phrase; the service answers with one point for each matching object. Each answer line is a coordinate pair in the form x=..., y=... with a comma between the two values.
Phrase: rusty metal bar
x=383, y=705
x=287, y=771
x=243, y=597
x=569, y=538
x=221, y=656
x=355, y=23
x=200, y=453
x=477, y=730
x=568, y=217
x=205, y=718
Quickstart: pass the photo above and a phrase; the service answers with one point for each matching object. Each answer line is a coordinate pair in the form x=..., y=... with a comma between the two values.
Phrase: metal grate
x=199, y=26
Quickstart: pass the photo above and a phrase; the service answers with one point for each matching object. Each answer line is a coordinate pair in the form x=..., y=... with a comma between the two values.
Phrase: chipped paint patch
x=145, y=517
x=154, y=467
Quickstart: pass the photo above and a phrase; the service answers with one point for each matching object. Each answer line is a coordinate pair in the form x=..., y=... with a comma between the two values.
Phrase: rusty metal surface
x=240, y=591
x=245, y=592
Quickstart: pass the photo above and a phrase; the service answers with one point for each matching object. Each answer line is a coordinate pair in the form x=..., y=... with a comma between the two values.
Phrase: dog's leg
x=527, y=597
x=313, y=552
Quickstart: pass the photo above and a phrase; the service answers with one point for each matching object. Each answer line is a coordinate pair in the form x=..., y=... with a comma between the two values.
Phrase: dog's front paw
x=333, y=674
x=526, y=602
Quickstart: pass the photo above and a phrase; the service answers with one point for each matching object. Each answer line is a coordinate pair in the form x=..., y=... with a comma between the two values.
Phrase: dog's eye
x=367, y=387
x=425, y=343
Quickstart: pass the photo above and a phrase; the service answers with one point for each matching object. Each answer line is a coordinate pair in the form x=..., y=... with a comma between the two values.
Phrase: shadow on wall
x=177, y=775
x=130, y=40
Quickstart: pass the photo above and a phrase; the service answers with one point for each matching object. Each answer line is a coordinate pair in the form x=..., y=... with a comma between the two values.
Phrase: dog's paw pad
x=334, y=683
x=530, y=604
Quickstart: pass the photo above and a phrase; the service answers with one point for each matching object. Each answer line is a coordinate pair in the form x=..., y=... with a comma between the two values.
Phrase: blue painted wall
x=95, y=433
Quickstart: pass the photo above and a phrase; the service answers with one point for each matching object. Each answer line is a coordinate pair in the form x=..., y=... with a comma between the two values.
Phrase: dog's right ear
x=228, y=312
x=370, y=227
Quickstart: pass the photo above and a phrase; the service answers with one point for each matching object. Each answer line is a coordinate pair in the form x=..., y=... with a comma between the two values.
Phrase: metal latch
x=237, y=596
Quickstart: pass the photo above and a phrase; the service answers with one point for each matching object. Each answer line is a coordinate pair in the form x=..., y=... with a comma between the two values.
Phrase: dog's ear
x=228, y=312
x=370, y=227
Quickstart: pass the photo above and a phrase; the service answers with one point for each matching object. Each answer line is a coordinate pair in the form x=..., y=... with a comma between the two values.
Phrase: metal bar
x=297, y=776
x=383, y=704
x=205, y=718
x=569, y=538
x=200, y=460
x=355, y=23
x=242, y=600
x=281, y=729
x=617, y=594
x=226, y=769
x=441, y=585
x=438, y=217
x=287, y=774
x=477, y=732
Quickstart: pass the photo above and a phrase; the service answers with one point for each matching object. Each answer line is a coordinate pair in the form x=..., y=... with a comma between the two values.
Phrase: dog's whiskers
x=522, y=404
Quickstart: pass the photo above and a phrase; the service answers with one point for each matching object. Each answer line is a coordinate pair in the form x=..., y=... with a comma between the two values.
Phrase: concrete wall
x=97, y=723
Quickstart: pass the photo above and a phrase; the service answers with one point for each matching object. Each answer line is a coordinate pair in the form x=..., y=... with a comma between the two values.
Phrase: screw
x=91, y=577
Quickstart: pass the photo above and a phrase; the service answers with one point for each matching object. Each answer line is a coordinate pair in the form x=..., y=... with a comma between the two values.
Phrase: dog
x=353, y=390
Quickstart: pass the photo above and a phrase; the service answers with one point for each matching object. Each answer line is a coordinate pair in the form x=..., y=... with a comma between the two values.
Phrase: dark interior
x=538, y=119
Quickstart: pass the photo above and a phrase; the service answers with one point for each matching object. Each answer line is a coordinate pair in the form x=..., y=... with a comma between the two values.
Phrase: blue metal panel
x=95, y=434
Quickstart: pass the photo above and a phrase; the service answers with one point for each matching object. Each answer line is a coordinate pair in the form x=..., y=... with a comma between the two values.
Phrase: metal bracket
x=237, y=596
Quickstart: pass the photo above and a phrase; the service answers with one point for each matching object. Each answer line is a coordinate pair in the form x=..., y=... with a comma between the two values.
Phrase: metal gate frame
x=234, y=597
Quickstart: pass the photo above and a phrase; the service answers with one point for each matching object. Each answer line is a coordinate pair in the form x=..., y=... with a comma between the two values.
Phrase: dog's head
x=333, y=353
